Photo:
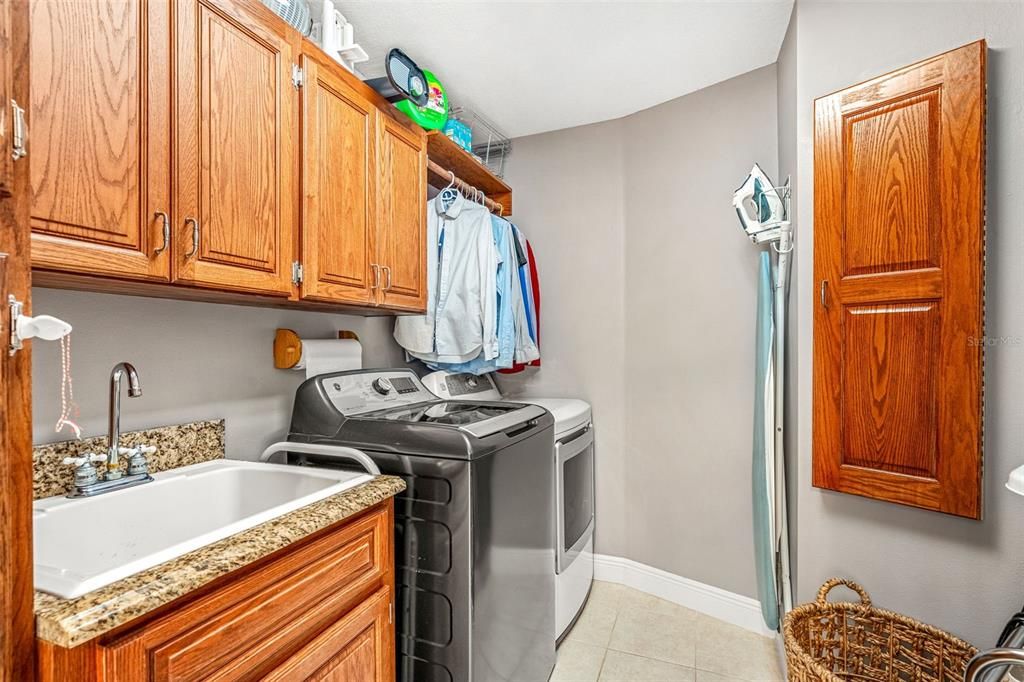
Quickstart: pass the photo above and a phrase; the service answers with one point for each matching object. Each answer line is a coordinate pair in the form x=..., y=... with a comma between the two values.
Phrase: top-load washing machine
x=574, y=485
x=474, y=541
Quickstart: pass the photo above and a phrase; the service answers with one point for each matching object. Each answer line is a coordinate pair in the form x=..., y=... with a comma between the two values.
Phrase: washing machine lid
x=453, y=412
x=570, y=414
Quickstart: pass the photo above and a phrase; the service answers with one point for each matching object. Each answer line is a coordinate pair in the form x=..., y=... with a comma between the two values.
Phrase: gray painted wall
x=569, y=200
x=195, y=361
x=691, y=282
x=965, y=576
x=648, y=312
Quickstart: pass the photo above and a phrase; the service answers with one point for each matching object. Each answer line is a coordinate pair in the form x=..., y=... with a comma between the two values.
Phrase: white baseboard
x=732, y=608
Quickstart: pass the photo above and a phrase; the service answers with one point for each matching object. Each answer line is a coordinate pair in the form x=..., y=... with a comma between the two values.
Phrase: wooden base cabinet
x=322, y=611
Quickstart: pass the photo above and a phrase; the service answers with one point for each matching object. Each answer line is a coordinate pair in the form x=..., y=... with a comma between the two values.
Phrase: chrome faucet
x=114, y=414
x=88, y=482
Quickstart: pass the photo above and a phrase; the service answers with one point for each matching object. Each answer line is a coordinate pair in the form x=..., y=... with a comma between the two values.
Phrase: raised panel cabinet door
x=251, y=625
x=899, y=275
x=338, y=162
x=6, y=106
x=402, y=216
x=100, y=155
x=357, y=648
x=235, y=140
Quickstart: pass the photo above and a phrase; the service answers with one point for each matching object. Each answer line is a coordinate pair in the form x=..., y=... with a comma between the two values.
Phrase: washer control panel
x=458, y=386
x=375, y=389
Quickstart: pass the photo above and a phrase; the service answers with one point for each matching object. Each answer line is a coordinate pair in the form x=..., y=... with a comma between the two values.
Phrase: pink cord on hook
x=68, y=406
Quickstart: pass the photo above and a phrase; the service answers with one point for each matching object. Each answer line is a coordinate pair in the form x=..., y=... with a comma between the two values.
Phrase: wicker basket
x=843, y=641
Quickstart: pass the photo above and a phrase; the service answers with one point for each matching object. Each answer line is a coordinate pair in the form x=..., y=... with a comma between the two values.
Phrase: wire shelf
x=490, y=146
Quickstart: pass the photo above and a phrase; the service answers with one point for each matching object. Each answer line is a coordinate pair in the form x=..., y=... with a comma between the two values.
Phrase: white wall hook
x=24, y=327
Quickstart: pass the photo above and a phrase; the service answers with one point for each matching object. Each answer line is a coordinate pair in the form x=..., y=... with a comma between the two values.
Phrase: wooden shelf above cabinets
x=446, y=153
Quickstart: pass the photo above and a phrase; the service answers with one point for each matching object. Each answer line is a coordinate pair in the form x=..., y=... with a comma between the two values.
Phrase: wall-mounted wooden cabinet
x=364, y=196
x=338, y=188
x=269, y=156
x=899, y=272
x=401, y=216
x=235, y=142
x=100, y=153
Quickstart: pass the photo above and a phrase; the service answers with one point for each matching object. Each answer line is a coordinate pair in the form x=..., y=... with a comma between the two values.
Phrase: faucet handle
x=87, y=458
x=143, y=448
x=137, y=463
x=85, y=472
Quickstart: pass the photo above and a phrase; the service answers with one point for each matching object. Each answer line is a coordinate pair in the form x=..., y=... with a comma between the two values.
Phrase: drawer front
x=248, y=627
x=356, y=648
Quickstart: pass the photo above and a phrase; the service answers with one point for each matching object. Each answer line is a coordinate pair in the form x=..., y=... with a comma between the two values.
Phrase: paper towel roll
x=322, y=356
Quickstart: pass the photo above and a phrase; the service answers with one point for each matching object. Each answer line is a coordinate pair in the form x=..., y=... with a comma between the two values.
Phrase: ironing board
x=763, y=478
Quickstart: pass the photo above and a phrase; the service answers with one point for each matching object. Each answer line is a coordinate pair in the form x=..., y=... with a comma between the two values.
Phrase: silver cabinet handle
x=822, y=294
x=376, y=276
x=195, y=237
x=19, y=132
x=387, y=278
x=167, y=232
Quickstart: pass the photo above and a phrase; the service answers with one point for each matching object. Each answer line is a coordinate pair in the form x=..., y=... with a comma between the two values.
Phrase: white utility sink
x=83, y=544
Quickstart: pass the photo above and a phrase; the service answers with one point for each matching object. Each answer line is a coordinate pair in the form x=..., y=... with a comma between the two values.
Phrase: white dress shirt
x=462, y=266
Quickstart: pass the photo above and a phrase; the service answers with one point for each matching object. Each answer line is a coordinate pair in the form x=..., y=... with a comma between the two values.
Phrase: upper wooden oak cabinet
x=270, y=171
x=364, y=196
x=401, y=216
x=100, y=155
x=235, y=142
x=338, y=192
x=899, y=285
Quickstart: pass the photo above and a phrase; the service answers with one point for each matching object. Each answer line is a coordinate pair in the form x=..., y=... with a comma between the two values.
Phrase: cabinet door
x=6, y=95
x=899, y=271
x=402, y=214
x=99, y=162
x=338, y=160
x=235, y=139
x=251, y=625
x=357, y=648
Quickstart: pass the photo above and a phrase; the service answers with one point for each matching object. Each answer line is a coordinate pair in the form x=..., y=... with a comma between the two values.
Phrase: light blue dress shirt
x=507, y=280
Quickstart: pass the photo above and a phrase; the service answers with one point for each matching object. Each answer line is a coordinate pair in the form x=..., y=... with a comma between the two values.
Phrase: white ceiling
x=531, y=67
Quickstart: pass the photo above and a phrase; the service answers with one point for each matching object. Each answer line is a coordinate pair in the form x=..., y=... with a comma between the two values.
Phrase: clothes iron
x=761, y=207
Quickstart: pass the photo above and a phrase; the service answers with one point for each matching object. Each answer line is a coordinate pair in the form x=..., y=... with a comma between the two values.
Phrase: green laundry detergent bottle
x=432, y=115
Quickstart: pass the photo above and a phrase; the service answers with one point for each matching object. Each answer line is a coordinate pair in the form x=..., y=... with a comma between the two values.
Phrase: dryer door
x=574, y=480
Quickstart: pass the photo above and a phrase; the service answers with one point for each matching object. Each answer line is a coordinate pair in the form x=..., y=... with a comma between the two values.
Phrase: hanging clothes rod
x=469, y=190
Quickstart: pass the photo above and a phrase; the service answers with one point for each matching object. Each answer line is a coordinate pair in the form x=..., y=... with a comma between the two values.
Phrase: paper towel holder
x=288, y=346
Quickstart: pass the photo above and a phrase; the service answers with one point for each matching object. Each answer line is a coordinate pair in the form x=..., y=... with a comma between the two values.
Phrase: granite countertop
x=177, y=445
x=70, y=622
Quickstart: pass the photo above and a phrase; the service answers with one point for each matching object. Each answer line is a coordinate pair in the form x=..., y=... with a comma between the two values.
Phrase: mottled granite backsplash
x=176, y=446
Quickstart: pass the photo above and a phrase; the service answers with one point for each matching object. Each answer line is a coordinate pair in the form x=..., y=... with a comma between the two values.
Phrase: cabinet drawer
x=356, y=648
x=247, y=628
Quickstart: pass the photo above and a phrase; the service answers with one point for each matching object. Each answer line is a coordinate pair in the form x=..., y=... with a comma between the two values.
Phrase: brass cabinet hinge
x=296, y=273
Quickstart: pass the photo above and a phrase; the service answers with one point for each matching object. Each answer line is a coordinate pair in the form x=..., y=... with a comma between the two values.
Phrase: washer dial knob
x=382, y=385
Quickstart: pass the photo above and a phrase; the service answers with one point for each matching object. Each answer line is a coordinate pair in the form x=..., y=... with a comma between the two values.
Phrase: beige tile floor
x=627, y=636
